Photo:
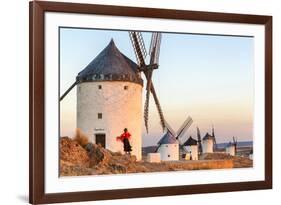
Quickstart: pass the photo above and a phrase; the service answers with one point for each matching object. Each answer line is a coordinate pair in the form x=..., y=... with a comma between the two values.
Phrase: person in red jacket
x=125, y=137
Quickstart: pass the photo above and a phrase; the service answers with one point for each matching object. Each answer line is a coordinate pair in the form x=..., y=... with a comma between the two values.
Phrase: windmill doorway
x=100, y=139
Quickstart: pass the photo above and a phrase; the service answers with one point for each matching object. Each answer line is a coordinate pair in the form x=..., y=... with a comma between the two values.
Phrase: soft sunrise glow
x=210, y=78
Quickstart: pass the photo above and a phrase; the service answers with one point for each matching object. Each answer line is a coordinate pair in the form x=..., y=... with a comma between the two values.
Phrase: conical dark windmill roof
x=110, y=65
x=168, y=138
x=208, y=136
x=190, y=141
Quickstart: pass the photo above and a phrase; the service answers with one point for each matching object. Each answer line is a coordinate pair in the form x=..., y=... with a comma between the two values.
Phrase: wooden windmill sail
x=199, y=141
x=186, y=124
x=235, y=144
x=182, y=130
x=147, y=69
x=213, y=135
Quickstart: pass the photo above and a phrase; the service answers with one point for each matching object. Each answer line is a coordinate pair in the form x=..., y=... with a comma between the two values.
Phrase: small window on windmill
x=169, y=155
x=99, y=115
x=126, y=87
x=166, y=145
x=100, y=87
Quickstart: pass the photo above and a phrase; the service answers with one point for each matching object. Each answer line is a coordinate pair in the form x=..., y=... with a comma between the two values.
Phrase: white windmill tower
x=191, y=147
x=109, y=94
x=208, y=143
x=231, y=147
x=109, y=88
x=168, y=147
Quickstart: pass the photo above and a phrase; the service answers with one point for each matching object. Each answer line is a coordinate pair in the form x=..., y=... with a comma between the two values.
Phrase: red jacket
x=123, y=136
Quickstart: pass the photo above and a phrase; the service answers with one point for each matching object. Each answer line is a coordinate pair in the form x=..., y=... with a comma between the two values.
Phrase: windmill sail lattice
x=139, y=47
x=140, y=52
x=186, y=124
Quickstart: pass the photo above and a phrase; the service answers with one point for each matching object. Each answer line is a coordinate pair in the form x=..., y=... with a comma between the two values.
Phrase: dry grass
x=81, y=138
x=238, y=162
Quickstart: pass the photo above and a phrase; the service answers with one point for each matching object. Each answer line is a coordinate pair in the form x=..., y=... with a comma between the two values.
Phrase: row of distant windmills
x=109, y=95
x=171, y=146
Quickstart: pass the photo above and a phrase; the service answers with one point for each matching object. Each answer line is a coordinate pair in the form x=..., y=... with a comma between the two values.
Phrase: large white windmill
x=109, y=94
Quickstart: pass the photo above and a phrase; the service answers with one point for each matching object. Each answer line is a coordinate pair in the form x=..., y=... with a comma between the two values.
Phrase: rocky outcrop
x=72, y=152
x=93, y=159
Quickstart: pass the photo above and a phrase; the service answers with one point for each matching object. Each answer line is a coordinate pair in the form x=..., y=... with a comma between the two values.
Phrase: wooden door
x=100, y=139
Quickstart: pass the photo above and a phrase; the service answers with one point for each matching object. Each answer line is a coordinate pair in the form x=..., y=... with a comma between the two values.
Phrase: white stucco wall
x=230, y=150
x=120, y=109
x=194, y=151
x=207, y=146
x=169, y=152
x=153, y=157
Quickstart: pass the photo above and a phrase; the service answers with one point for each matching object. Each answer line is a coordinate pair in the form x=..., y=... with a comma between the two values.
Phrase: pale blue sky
x=208, y=77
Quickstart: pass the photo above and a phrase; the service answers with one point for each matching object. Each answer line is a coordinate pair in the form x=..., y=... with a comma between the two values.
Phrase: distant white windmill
x=208, y=143
x=170, y=144
x=191, y=146
x=231, y=147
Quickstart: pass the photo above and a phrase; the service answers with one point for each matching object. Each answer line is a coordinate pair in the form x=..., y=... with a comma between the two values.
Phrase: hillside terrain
x=78, y=157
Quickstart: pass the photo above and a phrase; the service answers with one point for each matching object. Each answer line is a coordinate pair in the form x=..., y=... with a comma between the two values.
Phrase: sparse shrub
x=81, y=138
